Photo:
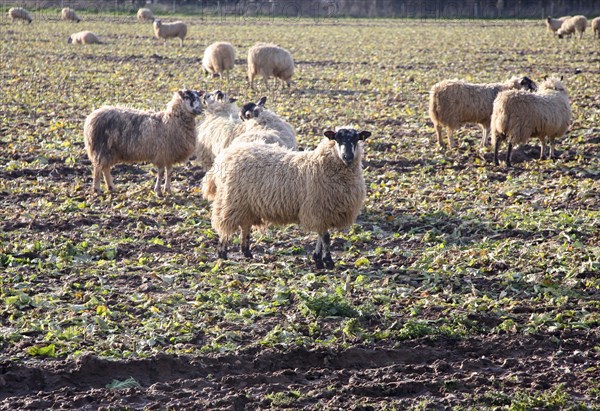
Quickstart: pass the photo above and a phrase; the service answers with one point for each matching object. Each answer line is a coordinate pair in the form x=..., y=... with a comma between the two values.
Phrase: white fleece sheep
x=145, y=14
x=554, y=24
x=520, y=115
x=69, y=14
x=83, y=37
x=596, y=27
x=19, y=13
x=221, y=125
x=572, y=25
x=116, y=135
x=219, y=58
x=270, y=60
x=254, y=184
x=454, y=103
x=262, y=125
x=170, y=30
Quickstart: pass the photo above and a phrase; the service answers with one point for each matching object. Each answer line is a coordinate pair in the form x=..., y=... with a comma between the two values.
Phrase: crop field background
x=463, y=285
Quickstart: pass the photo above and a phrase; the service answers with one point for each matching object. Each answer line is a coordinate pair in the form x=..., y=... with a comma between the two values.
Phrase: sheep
x=554, y=24
x=170, y=30
x=596, y=27
x=115, y=135
x=83, y=37
x=218, y=58
x=270, y=60
x=454, y=103
x=19, y=13
x=144, y=14
x=221, y=125
x=253, y=184
x=69, y=15
x=518, y=115
x=572, y=25
x=263, y=125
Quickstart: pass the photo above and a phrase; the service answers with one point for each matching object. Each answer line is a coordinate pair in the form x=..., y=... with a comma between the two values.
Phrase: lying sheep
x=262, y=125
x=19, y=13
x=83, y=37
x=572, y=25
x=454, y=103
x=554, y=24
x=518, y=115
x=596, y=27
x=218, y=58
x=221, y=125
x=254, y=184
x=69, y=14
x=270, y=60
x=170, y=30
x=116, y=135
x=144, y=14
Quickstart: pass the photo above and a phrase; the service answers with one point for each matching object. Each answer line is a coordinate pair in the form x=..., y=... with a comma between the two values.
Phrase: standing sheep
x=572, y=25
x=170, y=30
x=519, y=115
x=116, y=135
x=596, y=27
x=144, y=14
x=19, y=13
x=262, y=125
x=218, y=58
x=255, y=184
x=270, y=60
x=83, y=37
x=454, y=103
x=554, y=24
x=69, y=14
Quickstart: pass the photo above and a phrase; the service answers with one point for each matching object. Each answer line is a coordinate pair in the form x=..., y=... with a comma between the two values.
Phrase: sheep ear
x=545, y=77
x=561, y=78
x=232, y=100
x=181, y=93
x=262, y=101
x=363, y=135
x=330, y=134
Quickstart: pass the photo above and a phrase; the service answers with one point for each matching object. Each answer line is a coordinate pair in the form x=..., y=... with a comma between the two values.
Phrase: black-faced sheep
x=262, y=125
x=575, y=24
x=554, y=24
x=69, y=14
x=218, y=58
x=454, y=103
x=116, y=135
x=19, y=13
x=145, y=14
x=270, y=60
x=170, y=30
x=596, y=27
x=255, y=184
x=520, y=115
x=83, y=37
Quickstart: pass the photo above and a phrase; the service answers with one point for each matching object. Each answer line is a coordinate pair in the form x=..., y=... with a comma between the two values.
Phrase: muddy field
x=463, y=285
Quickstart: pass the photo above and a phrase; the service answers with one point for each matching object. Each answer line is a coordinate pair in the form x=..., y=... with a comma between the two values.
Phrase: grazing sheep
x=218, y=58
x=170, y=30
x=554, y=24
x=520, y=115
x=596, y=27
x=270, y=60
x=83, y=37
x=144, y=14
x=221, y=125
x=69, y=15
x=262, y=125
x=124, y=135
x=254, y=184
x=19, y=13
x=572, y=25
x=454, y=103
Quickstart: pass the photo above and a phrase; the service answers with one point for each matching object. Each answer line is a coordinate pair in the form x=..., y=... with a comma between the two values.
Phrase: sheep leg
x=496, y=147
x=107, y=179
x=326, y=244
x=552, y=157
x=168, y=174
x=485, y=137
x=222, y=249
x=509, y=154
x=543, y=148
x=451, y=140
x=318, y=254
x=159, y=179
x=438, y=131
x=246, y=242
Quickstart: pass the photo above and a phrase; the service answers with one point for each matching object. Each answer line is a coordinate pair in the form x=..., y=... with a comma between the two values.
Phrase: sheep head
x=346, y=140
x=252, y=110
x=192, y=100
x=527, y=84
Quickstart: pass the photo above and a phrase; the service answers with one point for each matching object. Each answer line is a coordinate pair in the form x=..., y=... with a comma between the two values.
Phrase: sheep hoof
x=318, y=261
x=222, y=254
x=248, y=254
x=329, y=264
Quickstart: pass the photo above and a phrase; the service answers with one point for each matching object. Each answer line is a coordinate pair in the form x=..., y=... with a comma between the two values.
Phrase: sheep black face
x=528, y=84
x=346, y=141
x=192, y=100
x=252, y=110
